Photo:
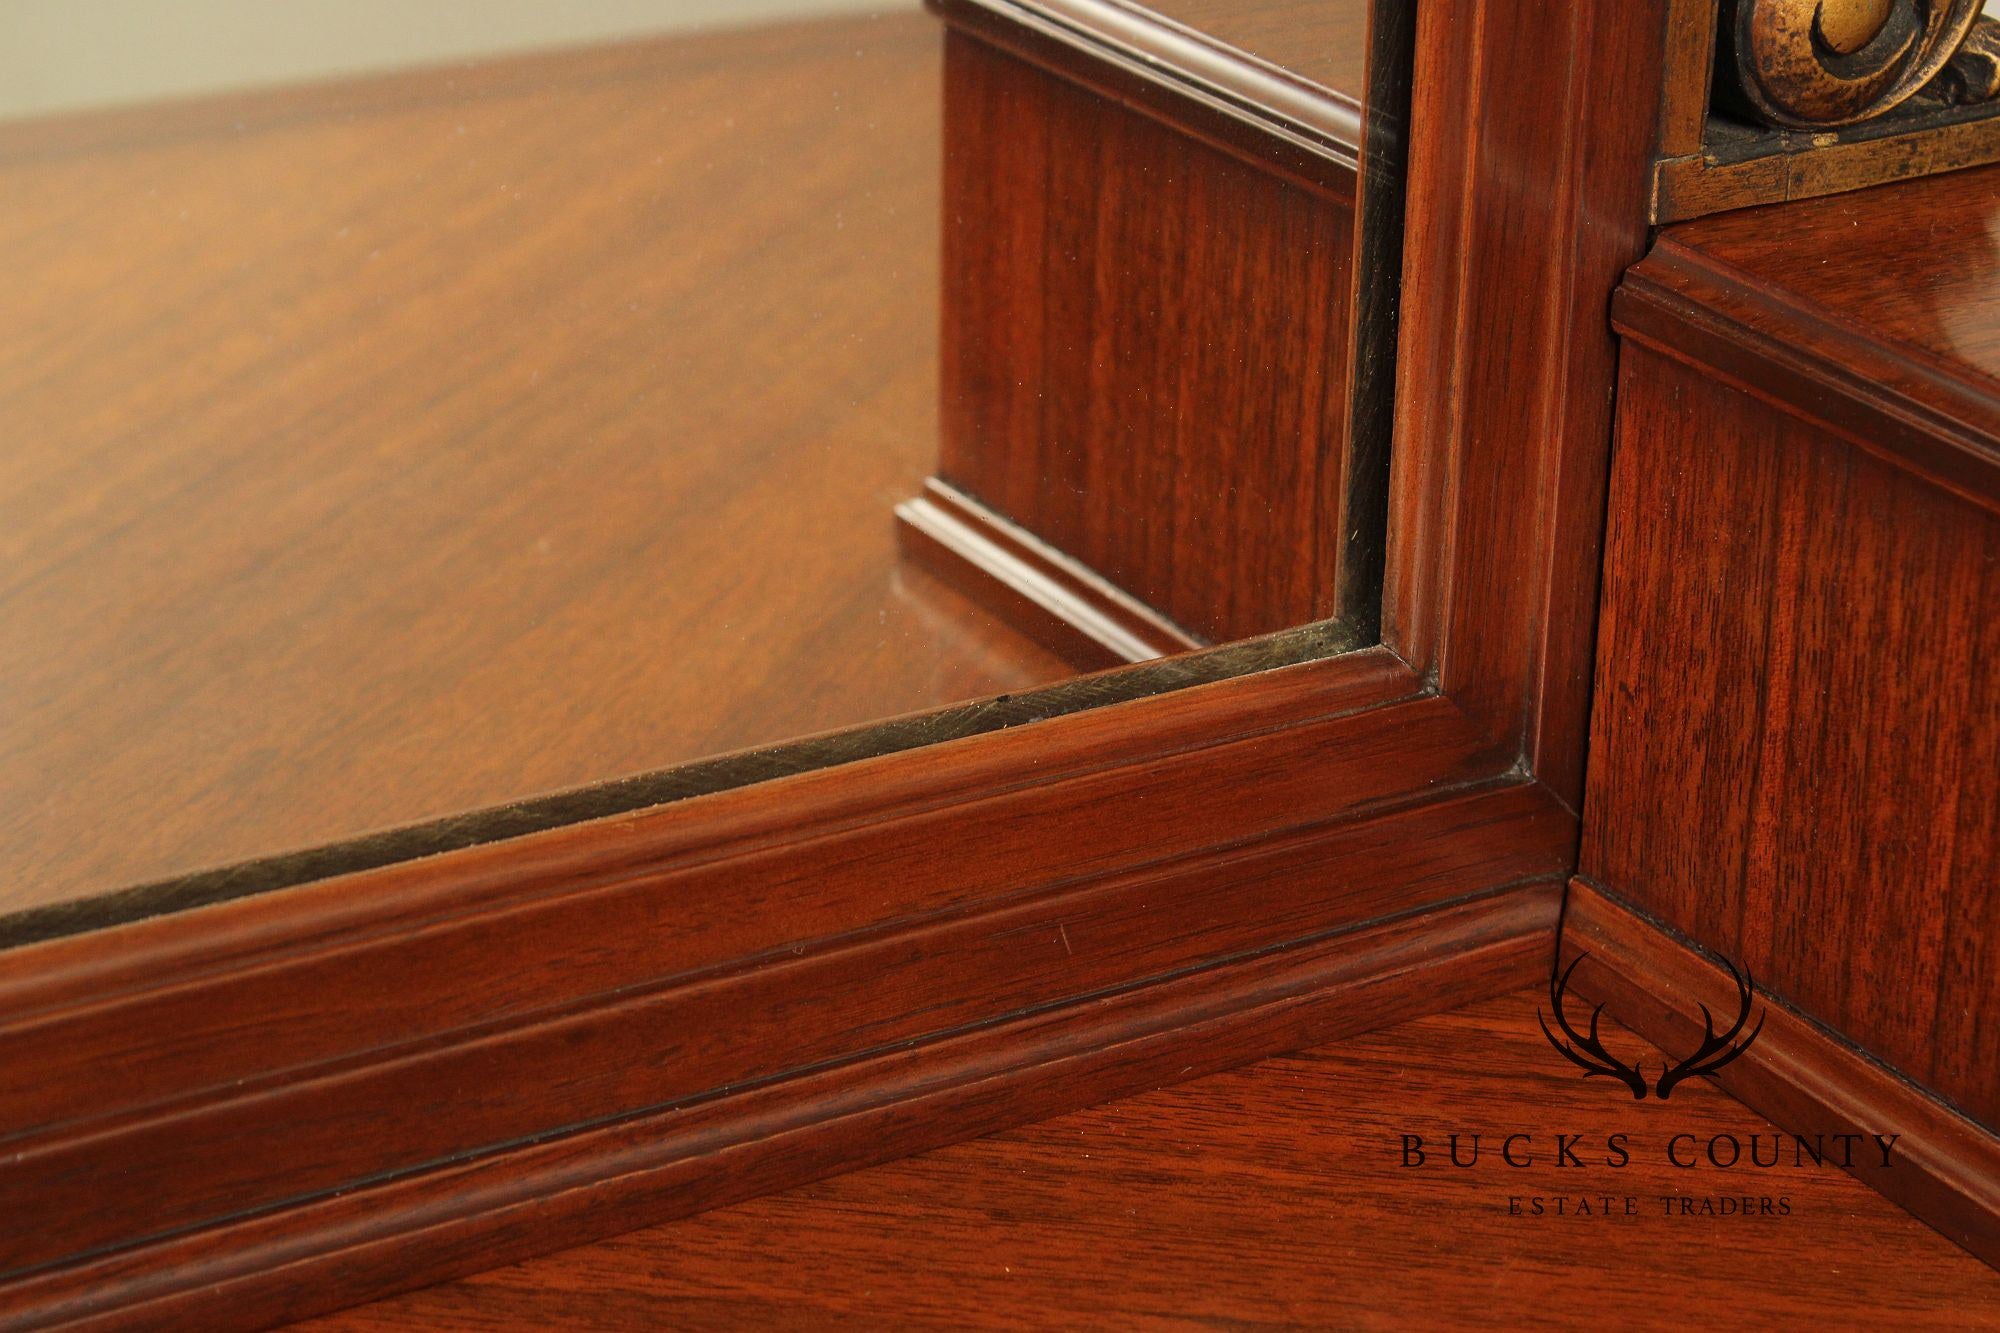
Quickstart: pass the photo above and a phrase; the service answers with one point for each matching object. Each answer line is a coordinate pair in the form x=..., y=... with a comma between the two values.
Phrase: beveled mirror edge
x=680, y=782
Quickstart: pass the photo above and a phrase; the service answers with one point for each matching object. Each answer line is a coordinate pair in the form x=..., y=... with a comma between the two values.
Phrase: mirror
x=429, y=423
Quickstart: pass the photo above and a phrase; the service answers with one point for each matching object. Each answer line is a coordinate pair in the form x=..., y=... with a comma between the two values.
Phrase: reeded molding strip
x=1058, y=599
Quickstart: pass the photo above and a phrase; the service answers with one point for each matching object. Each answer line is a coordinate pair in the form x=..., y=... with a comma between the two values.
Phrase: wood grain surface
x=1914, y=265
x=384, y=451
x=392, y=1232
x=416, y=1071
x=1145, y=344
x=1875, y=315
x=481, y=952
x=1276, y=1195
x=1795, y=1071
x=1798, y=726
x=1796, y=749
x=1323, y=41
x=1532, y=128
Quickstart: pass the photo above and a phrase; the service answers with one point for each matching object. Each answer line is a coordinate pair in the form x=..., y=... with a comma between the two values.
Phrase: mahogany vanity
x=1549, y=485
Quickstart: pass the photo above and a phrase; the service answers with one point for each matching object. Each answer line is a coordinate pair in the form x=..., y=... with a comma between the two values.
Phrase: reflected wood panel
x=1151, y=332
x=1130, y=371
x=1323, y=41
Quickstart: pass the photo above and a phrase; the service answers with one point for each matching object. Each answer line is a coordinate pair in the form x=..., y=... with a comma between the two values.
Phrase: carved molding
x=1820, y=64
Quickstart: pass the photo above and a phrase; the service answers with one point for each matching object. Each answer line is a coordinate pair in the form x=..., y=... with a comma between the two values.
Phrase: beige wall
x=62, y=54
x=59, y=55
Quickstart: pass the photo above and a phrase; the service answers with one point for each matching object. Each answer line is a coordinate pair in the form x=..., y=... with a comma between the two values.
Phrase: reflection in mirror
x=412, y=412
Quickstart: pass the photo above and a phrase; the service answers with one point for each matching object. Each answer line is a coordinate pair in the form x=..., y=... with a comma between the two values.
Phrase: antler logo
x=1587, y=1052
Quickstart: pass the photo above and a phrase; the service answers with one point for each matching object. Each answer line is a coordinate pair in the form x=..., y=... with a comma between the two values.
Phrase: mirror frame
x=689, y=1004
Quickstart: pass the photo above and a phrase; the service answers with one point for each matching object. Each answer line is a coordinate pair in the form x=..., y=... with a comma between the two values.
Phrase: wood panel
x=1947, y=1168
x=390, y=451
x=1145, y=345
x=1271, y=1196
x=1912, y=269
x=1874, y=314
x=1796, y=750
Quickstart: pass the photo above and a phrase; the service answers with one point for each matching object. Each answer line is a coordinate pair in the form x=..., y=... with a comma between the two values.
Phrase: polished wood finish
x=1498, y=477
x=1271, y=1196
x=528, y=985
x=1203, y=86
x=1930, y=296
x=1798, y=732
x=314, y=526
x=1830, y=308
x=1145, y=343
x=1322, y=42
x=772, y=931
x=1796, y=749
x=469, y=1214
x=1948, y=1168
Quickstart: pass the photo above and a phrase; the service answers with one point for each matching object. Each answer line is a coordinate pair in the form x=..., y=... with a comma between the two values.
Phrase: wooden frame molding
x=1497, y=482
x=1885, y=400
x=1801, y=1076
x=604, y=1179
x=261, y=1057
x=317, y=1095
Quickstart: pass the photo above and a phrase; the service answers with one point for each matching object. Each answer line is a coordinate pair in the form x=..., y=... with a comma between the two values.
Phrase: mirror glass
x=422, y=423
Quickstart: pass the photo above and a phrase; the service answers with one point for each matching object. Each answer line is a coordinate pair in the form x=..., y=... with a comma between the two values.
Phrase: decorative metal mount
x=1974, y=73
x=1823, y=64
x=1774, y=100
